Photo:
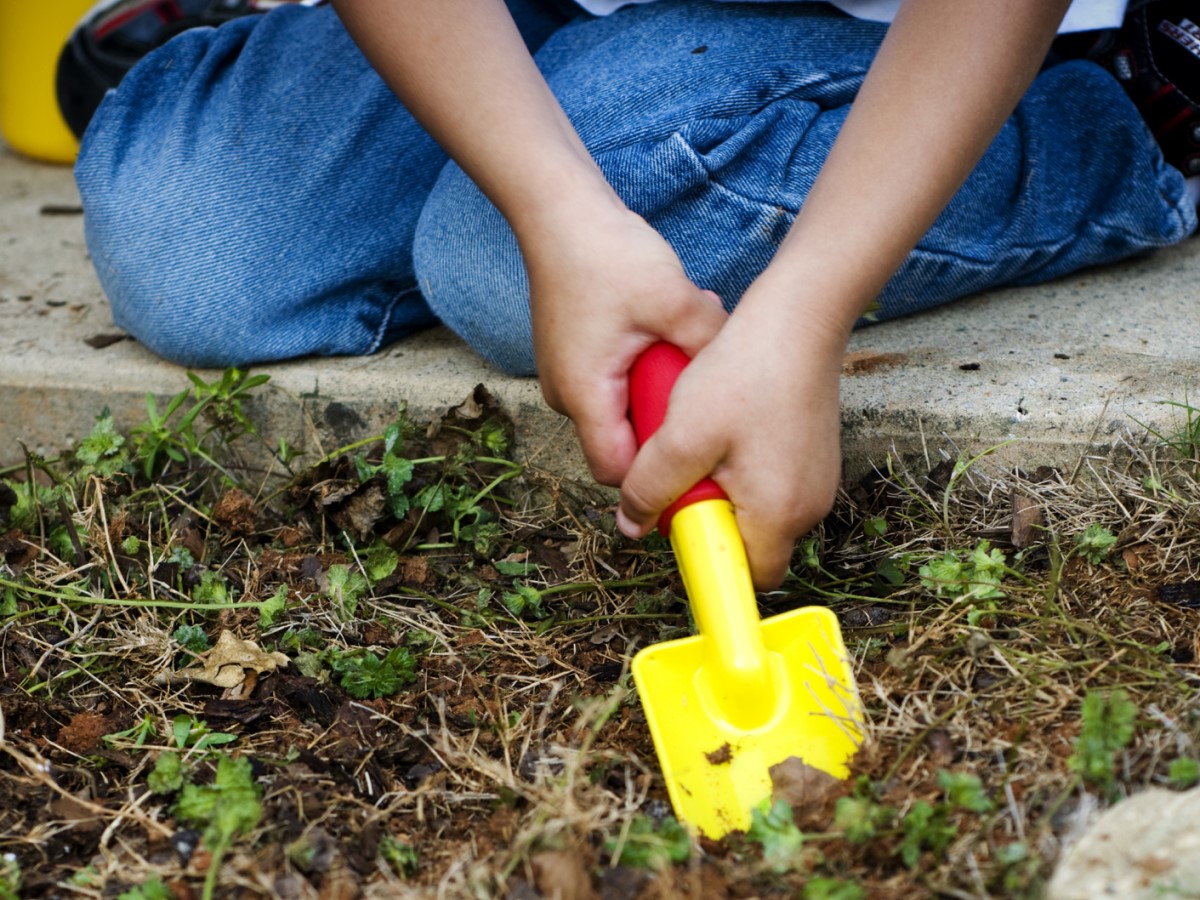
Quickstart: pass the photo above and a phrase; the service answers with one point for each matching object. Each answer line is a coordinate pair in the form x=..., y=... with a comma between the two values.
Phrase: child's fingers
x=667, y=465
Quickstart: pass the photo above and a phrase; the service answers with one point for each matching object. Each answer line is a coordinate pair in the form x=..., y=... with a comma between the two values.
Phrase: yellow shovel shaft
x=712, y=561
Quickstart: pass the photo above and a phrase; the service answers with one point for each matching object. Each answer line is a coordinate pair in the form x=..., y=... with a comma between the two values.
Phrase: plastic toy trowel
x=743, y=694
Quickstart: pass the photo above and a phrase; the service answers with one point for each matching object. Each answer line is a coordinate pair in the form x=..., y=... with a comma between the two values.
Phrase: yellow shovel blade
x=723, y=710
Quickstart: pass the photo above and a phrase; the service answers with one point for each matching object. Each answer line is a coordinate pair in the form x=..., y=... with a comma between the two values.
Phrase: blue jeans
x=255, y=192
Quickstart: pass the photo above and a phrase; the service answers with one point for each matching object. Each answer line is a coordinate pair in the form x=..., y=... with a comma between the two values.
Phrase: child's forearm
x=463, y=71
x=947, y=76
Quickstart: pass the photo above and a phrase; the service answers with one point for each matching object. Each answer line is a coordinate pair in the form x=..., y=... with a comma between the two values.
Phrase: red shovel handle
x=653, y=375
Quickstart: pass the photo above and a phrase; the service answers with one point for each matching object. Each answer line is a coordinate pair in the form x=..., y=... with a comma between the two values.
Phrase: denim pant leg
x=712, y=120
x=251, y=192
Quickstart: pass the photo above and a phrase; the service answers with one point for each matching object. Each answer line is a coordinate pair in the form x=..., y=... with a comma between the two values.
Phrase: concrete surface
x=1061, y=370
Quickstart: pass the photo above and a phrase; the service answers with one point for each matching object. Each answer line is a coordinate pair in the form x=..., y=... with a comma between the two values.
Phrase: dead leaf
x=604, y=635
x=863, y=362
x=359, y=514
x=231, y=661
x=1028, y=521
x=807, y=789
x=560, y=875
x=15, y=551
x=941, y=745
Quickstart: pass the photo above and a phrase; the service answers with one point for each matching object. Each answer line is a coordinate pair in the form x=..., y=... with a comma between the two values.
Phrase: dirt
x=512, y=758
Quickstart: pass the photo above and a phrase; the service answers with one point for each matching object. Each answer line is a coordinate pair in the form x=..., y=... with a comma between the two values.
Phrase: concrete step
x=1059, y=371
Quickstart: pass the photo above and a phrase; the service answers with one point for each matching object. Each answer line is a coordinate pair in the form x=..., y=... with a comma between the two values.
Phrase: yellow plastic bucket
x=32, y=33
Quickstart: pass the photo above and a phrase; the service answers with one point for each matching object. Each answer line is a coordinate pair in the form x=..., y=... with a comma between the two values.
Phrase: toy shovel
x=743, y=694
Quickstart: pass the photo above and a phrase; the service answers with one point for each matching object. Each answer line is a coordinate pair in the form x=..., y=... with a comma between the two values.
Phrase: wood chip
x=1028, y=521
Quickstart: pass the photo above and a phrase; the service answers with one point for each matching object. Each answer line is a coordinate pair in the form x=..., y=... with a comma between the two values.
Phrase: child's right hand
x=604, y=286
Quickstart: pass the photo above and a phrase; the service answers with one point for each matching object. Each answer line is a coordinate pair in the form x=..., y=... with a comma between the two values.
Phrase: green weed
x=1184, y=773
x=10, y=877
x=1094, y=543
x=365, y=676
x=169, y=774
x=1107, y=725
x=1186, y=440
x=225, y=810
x=925, y=827
x=133, y=737
x=649, y=846
x=774, y=828
x=823, y=888
x=966, y=576
x=402, y=858
x=965, y=791
x=177, y=435
x=188, y=731
x=153, y=889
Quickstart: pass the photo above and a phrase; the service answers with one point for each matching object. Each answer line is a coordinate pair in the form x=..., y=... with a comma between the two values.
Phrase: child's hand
x=604, y=287
x=758, y=410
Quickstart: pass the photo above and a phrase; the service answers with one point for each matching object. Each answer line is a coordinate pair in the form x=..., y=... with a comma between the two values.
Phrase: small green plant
x=103, y=451
x=860, y=818
x=652, y=847
x=225, y=810
x=449, y=492
x=169, y=774
x=171, y=436
x=380, y=562
x=87, y=877
x=272, y=607
x=831, y=889
x=402, y=858
x=1106, y=728
x=1018, y=869
x=29, y=500
x=959, y=575
x=525, y=602
x=365, y=676
x=192, y=638
x=1184, y=773
x=10, y=877
x=213, y=588
x=153, y=889
x=346, y=588
x=134, y=736
x=875, y=526
x=1186, y=440
x=925, y=827
x=187, y=731
x=965, y=791
x=774, y=828
x=1094, y=543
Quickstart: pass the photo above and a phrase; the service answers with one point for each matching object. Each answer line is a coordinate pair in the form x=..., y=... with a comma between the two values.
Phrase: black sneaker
x=115, y=34
x=1155, y=56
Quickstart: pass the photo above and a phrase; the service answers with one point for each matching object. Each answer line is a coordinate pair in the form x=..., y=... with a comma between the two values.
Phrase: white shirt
x=1083, y=15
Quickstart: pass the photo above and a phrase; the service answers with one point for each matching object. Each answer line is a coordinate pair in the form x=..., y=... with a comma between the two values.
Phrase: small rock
x=1145, y=847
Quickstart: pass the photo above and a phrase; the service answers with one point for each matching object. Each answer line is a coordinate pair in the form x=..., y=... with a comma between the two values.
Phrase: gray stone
x=1147, y=846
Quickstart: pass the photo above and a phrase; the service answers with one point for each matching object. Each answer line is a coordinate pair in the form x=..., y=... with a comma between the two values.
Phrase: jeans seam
x=385, y=321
